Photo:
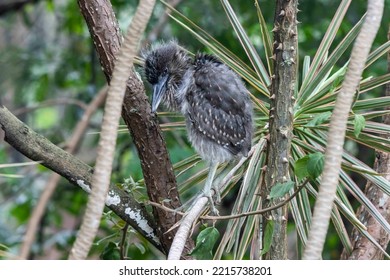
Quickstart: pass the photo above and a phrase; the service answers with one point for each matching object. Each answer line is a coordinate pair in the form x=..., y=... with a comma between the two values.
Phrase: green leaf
x=319, y=119
x=310, y=165
x=205, y=243
x=268, y=234
x=300, y=168
x=315, y=165
x=359, y=123
x=111, y=252
x=280, y=189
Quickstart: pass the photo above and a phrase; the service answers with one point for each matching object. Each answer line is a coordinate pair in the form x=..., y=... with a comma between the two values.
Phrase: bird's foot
x=213, y=209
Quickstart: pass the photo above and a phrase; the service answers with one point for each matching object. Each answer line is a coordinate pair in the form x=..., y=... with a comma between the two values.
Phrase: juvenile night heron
x=212, y=98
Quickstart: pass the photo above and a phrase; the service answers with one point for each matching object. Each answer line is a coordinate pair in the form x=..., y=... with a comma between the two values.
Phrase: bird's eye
x=165, y=70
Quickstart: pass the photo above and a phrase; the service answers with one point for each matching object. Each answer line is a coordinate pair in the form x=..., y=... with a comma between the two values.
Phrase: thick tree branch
x=108, y=135
x=156, y=166
x=52, y=182
x=281, y=119
x=38, y=148
x=337, y=128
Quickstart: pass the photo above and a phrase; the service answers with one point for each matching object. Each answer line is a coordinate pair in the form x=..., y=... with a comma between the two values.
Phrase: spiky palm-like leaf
x=315, y=97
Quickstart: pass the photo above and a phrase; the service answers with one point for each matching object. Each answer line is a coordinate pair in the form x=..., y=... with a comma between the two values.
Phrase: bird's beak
x=158, y=91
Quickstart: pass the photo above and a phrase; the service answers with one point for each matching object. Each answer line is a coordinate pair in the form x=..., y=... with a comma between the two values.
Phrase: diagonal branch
x=336, y=134
x=157, y=169
x=52, y=182
x=108, y=135
x=38, y=148
x=363, y=248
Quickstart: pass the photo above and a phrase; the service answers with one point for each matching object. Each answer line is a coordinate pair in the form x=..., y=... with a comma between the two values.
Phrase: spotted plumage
x=212, y=98
x=209, y=94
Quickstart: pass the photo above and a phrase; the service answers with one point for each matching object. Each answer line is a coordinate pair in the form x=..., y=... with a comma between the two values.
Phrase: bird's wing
x=219, y=107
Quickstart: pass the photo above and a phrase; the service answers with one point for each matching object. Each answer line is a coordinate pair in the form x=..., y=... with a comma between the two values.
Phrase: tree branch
x=241, y=215
x=337, y=128
x=38, y=148
x=108, y=135
x=281, y=118
x=158, y=172
x=364, y=249
x=198, y=206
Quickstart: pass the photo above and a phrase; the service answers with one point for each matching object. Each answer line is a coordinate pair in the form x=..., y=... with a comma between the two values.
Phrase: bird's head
x=165, y=66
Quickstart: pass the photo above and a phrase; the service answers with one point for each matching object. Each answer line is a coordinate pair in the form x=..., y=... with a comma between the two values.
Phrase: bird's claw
x=213, y=209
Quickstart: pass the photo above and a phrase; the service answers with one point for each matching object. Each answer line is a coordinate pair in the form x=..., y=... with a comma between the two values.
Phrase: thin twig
x=49, y=103
x=236, y=216
x=123, y=241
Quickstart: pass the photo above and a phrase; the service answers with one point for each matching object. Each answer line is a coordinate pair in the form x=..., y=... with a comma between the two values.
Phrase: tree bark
x=38, y=148
x=158, y=172
x=52, y=182
x=109, y=132
x=336, y=133
x=281, y=119
x=363, y=249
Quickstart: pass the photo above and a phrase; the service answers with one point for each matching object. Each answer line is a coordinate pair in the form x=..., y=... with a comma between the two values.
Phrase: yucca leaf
x=369, y=140
x=186, y=164
x=15, y=176
x=326, y=92
x=341, y=229
x=373, y=103
x=379, y=128
x=377, y=53
x=246, y=44
x=267, y=42
x=218, y=49
x=249, y=187
x=374, y=83
x=175, y=126
x=376, y=114
x=308, y=89
x=299, y=217
x=363, y=199
x=8, y=165
x=326, y=43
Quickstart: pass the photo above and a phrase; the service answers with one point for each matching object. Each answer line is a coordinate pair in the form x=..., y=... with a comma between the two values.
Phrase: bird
x=212, y=98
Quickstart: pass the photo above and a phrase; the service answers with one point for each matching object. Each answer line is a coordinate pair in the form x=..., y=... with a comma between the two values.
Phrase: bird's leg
x=209, y=185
